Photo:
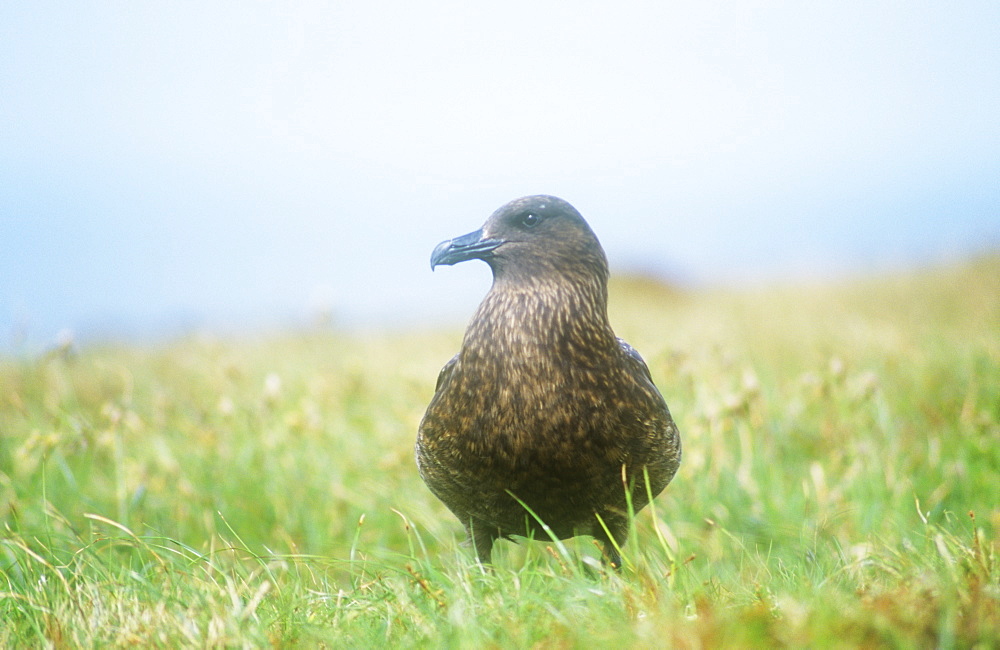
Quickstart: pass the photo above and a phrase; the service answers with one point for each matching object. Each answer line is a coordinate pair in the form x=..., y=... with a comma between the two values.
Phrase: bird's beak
x=475, y=245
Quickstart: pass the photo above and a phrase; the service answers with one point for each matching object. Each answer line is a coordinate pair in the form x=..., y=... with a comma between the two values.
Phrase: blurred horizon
x=238, y=166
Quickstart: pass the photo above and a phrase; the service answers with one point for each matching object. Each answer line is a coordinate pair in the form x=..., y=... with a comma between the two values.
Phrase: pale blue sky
x=238, y=164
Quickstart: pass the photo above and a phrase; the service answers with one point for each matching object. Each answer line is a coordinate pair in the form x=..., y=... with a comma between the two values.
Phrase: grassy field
x=840, y=486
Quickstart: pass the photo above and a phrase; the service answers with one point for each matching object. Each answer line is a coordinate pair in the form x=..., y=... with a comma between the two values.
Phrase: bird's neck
x=544, y=316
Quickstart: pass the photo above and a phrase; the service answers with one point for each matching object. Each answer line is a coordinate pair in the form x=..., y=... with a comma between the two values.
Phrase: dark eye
x=530, y=219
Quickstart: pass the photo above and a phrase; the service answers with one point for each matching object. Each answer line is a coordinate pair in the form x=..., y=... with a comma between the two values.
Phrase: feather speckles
x=543, y=406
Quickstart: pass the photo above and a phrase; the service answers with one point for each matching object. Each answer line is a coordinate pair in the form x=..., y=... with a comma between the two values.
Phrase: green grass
x=840, y=486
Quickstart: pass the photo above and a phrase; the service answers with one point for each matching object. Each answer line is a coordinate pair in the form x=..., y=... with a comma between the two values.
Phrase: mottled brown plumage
x=543, y=406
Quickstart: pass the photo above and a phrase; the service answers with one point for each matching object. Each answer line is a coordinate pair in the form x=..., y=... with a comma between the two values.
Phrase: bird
x=545, y=423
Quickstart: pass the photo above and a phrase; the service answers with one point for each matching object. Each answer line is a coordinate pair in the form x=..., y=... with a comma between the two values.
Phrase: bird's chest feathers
x=530, y=351
x=534, y=380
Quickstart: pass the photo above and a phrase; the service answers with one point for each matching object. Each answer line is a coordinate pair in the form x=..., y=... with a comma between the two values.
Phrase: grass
x=840, y=486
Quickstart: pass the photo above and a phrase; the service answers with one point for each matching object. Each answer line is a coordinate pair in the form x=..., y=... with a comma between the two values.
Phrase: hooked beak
x=467, y=247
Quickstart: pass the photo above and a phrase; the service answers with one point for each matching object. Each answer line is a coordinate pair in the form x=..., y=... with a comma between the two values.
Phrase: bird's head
x=531, y=237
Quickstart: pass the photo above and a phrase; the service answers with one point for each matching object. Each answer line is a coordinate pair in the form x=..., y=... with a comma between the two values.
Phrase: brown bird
x=544, y=414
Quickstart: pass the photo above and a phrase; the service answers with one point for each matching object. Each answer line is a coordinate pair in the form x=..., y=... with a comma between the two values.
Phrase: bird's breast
x=539, y=381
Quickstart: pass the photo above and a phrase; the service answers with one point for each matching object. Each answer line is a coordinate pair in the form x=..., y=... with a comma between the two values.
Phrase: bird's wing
x=634, y=358
x=446, y=372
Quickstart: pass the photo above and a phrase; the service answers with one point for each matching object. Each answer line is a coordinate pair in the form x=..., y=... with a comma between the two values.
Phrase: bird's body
x=543, y=408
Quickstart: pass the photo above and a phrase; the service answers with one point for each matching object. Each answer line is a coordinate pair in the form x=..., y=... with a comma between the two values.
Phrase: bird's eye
x=530, y=219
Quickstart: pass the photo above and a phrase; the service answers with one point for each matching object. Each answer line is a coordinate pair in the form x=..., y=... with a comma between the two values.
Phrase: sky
x=237, y=165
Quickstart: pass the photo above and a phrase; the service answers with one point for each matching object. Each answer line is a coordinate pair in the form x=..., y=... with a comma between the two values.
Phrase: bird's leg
x=482, y=537
x=610, y=551
x=612, y=557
